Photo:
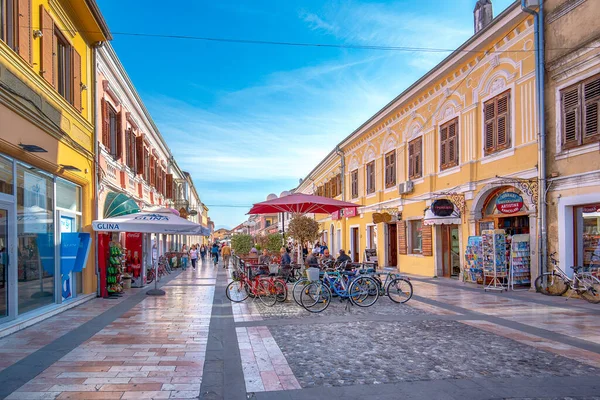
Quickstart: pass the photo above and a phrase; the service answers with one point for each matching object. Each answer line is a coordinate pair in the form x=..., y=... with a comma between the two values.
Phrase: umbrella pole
x=156, y=291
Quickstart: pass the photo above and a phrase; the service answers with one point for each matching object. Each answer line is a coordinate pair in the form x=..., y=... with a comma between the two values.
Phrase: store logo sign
x=152, y=217
x=107, y=227
x=509, y=203
x=442, y=208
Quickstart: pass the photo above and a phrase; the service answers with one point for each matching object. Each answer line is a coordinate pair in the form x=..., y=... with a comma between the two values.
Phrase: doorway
x=450, y=251
x=392, y=245
x=354, y=243
x=4, y=258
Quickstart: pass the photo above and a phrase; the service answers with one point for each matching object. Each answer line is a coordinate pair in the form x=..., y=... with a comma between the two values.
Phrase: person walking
x=194, y=257
x=202, y=251
x=215, y=253
x=184, y=257
x=226, y=254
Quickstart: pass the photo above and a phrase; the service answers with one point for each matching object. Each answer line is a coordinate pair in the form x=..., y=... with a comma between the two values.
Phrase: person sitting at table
x=312, y=260
x=327, y=258
x=286, y=260
x=343, y=257
x=265, y=258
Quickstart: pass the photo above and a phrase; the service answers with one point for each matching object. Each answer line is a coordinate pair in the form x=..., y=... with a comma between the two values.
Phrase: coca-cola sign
x=509, y=203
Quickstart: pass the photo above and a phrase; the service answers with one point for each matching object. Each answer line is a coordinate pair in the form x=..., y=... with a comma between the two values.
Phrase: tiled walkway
x=450, y=341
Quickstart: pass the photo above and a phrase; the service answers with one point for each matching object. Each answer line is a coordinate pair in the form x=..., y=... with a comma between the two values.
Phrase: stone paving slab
x=336, y=355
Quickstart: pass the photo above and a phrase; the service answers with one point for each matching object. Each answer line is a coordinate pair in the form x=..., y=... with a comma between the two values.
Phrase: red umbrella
x=299, y=203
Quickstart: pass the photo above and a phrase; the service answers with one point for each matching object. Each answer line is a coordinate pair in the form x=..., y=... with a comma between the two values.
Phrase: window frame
x=390, y=169
x=111, y=146
x=64, y=66
x=415, y=160
x=370, y=186
x=496, y=148
x=130, y=138
x=446, y=161
x=354, y=184
x=411, y=229
x=9, y=23
x=580, y=112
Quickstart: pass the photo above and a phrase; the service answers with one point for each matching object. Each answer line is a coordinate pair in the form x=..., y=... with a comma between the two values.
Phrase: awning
x=161, y=221
x=118, y=204
x=431, y=219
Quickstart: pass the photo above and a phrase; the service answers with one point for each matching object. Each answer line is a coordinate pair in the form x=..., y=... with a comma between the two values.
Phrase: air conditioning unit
x=406, y=187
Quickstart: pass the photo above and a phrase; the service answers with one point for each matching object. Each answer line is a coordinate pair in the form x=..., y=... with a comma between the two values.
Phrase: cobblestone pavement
x=451, y=341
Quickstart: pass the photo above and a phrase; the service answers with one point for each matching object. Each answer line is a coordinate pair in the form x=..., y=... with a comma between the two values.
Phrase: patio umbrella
x=117, y=204
x=159, y=221
x=300, y=203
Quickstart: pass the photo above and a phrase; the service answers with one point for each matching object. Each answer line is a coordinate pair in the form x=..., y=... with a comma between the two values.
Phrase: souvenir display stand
x=520, y=259
x=494, y=259
x=474, y=260
x=114, y=269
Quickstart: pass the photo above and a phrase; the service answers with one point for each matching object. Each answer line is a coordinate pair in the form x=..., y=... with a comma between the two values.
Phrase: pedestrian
x=194, y=257
x=215, y=253
x=226, y=254
x=286, y=260
x=265, y=258
x=184, y=257
x=203, y=252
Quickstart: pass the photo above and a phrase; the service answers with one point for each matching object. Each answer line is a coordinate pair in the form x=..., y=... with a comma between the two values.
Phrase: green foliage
x=303, y=229
x=242, y=244
x=274, y=243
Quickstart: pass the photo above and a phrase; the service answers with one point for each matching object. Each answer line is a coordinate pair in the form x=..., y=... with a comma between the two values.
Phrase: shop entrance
x=392, y=245
x=450, y=251
x=494, y=217
x=354, y=244
x=4, y=249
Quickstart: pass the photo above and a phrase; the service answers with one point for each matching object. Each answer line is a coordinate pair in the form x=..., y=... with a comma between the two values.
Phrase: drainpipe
x=340, y=152
x=538, y=18
x=94, y=88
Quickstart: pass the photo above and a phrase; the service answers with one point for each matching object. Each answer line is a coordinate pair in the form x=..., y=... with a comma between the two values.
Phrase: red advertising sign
x=592, y=208
x=509, y=203
x=335, y=215
x=350, y=212
x=133, y=244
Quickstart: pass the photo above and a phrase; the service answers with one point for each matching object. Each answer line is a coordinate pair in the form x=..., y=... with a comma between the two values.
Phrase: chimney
x=483, y=14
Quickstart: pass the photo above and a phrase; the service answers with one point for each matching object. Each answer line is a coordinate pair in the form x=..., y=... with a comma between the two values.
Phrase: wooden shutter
x=444, y=146
x=354, y=183
x=24, y=29
x=453, y=144
x=105, y=124
x=415, y=162
x=427, y=240
x=47, y=42
x=402, y=242
x=411, y=159
x=119, y=150
x=169, y=188
x=489, y=112
x=591, y=92
x=76, y=79
x=139, y=154
x=502, y=124
x=571, y=119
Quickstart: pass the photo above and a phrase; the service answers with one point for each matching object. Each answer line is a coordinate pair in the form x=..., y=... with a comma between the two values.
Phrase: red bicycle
x=269, y=290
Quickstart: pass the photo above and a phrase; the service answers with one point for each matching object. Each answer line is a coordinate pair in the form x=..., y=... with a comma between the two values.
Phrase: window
x=416, y=236
x=354, y=183
x=109, y=128
x=415, y=158
x=64, y=79
x=371, y=177
x=8, y=22
x=390, y=169
x=580, y=113
x=497, y=126
x=146, y=165
x=449, y=145
x=130, y=149
x=371, y=237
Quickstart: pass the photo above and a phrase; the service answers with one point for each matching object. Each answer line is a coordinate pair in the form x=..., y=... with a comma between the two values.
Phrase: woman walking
x=202, y=252
x=215, y=253
x=194, y=257
x=184, y=257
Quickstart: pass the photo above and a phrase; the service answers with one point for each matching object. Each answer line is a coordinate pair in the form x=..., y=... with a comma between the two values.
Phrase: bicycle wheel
x=592, y=284
x=315, y=297
x=150, y=277
x=297, y=289
x=551, y=284
x=363, y=291
x=266, y=292
x=281, y=290
x=400, y=290
x=236, y=292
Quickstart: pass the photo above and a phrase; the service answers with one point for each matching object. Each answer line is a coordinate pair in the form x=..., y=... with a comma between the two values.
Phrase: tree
x=303, y=229
x=274, y=242
x=242, y=244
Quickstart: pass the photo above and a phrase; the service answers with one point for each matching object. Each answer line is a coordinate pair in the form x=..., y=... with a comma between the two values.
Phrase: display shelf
x=474, y=260
x=520, y=262
x=494, y=259
x=114, y=269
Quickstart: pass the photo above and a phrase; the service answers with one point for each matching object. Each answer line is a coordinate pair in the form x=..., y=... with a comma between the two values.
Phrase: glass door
x=4, y=259
x=69, y=245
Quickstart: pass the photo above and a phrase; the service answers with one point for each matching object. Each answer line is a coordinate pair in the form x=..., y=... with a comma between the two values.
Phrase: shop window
x=415, y=158
x=415, y=229
x=35, y=232
x=497, y=123
x=8, y=22
x=371, y=177
x=68, y=195
x=354, y=183
x=580, y=117
x=390, y=169
x=449, y=144
x=587, y=234
x=6, y=175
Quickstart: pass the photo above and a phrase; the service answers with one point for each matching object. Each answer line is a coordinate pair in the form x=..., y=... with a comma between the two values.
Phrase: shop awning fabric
x=300, y=203
x=431, y=219
x=118, y=204
x=160, y=221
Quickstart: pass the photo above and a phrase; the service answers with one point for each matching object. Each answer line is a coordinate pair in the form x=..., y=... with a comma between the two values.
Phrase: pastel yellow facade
x=399, y=162
x=47, y=100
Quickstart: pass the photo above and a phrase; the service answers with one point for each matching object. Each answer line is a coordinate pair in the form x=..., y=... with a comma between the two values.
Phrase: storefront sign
x=591, y=208
x=442, y=208
x=106, y=227
x=335, y=215
x=350, y=212
x=509, y=203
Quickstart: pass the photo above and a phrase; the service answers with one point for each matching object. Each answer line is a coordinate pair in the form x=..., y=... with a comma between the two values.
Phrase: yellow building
x=46, y=155
x=465, y=132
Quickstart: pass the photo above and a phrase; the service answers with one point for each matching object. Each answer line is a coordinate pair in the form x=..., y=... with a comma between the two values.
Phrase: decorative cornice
x=563, y=10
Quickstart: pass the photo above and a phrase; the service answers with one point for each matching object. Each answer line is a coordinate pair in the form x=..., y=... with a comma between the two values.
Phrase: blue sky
x=248, y=120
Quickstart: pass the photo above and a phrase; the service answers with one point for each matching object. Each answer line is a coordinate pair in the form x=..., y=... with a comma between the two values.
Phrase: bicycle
x=557, y=283
x=396, y=287
x=244, y=286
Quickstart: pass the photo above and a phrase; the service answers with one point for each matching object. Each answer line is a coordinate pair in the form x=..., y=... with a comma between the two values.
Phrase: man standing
x=226, y=254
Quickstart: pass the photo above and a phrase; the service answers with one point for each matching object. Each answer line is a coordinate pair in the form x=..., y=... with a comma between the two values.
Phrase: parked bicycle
x=557, y=282
x=397, y=288
x=267, y=289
